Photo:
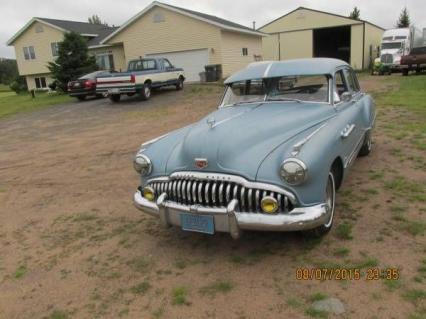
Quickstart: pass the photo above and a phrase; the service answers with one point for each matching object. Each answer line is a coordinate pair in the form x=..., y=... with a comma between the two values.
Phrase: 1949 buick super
x=270, y=158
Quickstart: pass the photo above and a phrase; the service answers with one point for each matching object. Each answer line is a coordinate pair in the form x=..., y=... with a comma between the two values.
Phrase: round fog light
x=148, y=193
x=269, y=205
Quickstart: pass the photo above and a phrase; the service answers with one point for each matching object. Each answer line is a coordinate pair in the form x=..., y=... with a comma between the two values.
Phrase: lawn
x=11, y=103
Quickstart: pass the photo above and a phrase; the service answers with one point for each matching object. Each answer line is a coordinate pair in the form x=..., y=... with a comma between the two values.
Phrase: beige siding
x=31, y=80
x=232, y=45
x=176, y=33
x=305, y=19
x=118, y=53
x=42, y=47
x=373, y=37
x=356, y=46
x=270, y=47
x=296, y=45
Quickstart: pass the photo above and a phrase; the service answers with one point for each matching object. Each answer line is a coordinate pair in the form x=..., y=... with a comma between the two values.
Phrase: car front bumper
x=231, y=221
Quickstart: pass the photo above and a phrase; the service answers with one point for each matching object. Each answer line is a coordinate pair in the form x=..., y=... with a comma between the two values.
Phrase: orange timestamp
x=373, y=273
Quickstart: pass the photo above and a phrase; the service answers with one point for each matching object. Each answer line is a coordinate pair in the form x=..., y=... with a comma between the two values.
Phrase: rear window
x=142, y=65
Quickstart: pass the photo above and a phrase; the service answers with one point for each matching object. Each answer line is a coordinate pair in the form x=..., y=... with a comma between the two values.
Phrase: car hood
x=237, y=139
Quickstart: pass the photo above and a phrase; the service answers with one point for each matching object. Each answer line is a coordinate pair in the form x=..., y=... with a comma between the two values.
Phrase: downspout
x=363, y=44
x=279, y=46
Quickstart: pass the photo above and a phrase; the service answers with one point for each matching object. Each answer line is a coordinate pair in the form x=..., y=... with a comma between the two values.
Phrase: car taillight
x=89, y=84
x=132, y=78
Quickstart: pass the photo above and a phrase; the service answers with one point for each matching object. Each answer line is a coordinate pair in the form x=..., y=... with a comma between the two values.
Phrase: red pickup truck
x=416, y=60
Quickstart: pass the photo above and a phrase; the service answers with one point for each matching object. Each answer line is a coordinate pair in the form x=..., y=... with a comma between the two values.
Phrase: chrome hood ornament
x=211, y=122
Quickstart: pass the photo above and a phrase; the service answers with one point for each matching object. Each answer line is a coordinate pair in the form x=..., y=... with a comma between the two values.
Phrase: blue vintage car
x=270, y=158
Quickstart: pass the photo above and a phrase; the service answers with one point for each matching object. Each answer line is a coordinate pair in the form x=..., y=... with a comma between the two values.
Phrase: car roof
x=270, y=69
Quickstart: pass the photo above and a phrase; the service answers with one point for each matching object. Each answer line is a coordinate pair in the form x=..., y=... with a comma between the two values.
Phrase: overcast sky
x=16, y=13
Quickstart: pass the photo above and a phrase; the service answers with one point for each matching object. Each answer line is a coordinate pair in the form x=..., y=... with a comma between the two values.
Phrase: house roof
x=270, y=69
x=319, y=11
x=219, y=22
x=95, y=32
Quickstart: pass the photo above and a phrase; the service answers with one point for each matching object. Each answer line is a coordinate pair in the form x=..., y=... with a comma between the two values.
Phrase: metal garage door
x=192, y=61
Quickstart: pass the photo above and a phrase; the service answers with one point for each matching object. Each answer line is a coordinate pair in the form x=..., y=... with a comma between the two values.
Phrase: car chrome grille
x=386, y=58
x=187, y=190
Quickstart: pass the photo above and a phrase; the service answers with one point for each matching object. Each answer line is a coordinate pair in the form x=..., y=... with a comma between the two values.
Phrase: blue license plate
x=197, y=223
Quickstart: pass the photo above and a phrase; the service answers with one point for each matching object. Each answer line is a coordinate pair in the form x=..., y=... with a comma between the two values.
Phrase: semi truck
x=397, y=43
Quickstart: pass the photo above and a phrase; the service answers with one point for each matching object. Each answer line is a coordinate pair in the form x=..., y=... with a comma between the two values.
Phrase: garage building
x=306, y=33
x=189, y=39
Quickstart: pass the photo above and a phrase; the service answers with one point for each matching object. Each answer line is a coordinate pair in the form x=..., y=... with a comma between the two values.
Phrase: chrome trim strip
x=241, y=181
x=347, y=131
x=352, y=156
x=298, y=146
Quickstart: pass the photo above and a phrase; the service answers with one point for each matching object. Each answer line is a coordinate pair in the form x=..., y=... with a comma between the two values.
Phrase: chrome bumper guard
x=233, y=222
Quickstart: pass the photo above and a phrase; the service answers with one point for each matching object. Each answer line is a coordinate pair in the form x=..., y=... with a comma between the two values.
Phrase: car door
x=170, y=71
x=347, y=104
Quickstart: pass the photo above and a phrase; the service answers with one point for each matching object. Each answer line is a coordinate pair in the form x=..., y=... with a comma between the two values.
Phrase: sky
x=16, y=13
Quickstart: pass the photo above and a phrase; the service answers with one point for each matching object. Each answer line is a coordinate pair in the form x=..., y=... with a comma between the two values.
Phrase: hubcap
x=330, y=194
x=147, y=91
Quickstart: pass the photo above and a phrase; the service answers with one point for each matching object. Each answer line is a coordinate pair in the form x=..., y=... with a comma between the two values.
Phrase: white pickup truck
x=142, y=75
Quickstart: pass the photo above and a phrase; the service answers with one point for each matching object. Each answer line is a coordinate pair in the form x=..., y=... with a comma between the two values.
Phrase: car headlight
x=293, y=171
x=142, y=164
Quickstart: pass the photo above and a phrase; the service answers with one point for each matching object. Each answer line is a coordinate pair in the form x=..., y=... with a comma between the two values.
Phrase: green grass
x=415, y=295
x=412, y=190
x=314, y=313
x=295, y=303
x=344, y=231
x=141, y=289
x=58, y=314
x=20, y=271
x=10, y=103
x=217, y=287
x=179, y=296
x=317, y=297
x=341, y=252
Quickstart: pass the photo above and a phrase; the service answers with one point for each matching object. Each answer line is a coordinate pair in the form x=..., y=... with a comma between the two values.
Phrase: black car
x=85, y=86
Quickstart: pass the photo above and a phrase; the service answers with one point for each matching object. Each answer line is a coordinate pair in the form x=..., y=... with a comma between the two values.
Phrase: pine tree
x=355, y=14
x=73, y=60
x=404, y=19
x=94, y=19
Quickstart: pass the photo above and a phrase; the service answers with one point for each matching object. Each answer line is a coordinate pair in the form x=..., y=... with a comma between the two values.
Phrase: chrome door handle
x=347, y=131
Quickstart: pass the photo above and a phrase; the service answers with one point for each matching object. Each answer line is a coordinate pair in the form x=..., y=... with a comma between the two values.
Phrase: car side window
x=167, y=64
x=340, y=86
x=351, y=80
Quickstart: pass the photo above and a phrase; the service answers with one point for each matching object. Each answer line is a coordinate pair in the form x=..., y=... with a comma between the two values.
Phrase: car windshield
x=310, y=88
x=391, y=45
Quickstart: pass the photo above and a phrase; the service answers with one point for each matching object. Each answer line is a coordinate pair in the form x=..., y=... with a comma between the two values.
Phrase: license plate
x=76, y=85
x=197, y=223
x=114, y=91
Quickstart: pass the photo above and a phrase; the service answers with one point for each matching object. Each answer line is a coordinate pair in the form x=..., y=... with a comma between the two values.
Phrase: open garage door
x=192, y=61
x=333, y=43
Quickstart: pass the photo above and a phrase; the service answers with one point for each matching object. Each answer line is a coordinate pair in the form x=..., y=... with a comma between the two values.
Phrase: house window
x=105, y=61
x=29, y=53
x=245, y=51
x=39, y=28
x=158, y=17
x=40, y=83
x=55, y=48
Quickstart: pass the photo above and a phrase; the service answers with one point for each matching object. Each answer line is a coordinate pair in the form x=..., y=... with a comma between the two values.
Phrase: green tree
x=355, y=14
x=8, y=70
x=73, y=60
x=404, y=19
x=94, y=19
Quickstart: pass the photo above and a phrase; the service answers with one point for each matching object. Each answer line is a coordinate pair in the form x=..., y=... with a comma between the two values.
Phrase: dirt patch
x=73, y=245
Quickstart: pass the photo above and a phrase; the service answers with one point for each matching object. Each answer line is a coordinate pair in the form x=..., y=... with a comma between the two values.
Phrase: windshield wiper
x=284, y=99
x=246, y=102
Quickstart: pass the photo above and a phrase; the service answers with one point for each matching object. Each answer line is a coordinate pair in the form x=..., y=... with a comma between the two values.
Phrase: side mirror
x=346, y=96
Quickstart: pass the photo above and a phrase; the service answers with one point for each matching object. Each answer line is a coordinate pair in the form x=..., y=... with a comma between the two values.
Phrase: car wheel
x=367, y=145
x=146, y=91
x=115, y=98
x=330, y=200
x=179, y=84
x=81, y=97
